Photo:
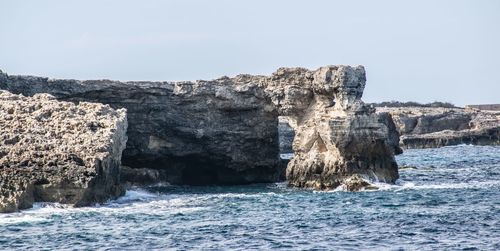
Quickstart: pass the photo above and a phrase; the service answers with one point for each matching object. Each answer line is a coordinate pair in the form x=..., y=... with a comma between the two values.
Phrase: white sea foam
x=136, y=194
x=16, y=218
x=404, y=185
x=133, y=202
x=40, y=212
x=460, y=185
x=140, y=201
x=241, y=195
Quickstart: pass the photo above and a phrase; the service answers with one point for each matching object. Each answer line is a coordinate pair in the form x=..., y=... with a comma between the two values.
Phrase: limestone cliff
x=55, y=151
x=225, y=131
x=337, y=137
x=222, y=131
x=424, y=127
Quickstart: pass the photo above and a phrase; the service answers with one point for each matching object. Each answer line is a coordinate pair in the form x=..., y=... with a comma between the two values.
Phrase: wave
x=16, y=219
x=135, y=201
x=136, y=194
x=38, y=213
x=139, y=201
x=403, y=185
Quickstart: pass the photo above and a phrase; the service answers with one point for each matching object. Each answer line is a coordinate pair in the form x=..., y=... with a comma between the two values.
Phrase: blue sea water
x=449, y=201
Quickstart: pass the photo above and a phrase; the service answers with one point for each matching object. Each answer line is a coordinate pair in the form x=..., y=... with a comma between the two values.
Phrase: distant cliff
x=488, y=107
x=424, y=127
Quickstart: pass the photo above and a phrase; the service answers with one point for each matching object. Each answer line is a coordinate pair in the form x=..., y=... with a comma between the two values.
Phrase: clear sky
x=423, y=50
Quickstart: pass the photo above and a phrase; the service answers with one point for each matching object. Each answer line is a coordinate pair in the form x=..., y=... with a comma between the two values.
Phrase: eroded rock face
x=55, y=151
x=428, y=127
x=336, y=135
x=204, y=132
x=225, y=131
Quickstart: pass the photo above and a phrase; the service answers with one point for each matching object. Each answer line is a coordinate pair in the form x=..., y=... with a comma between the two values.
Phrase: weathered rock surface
x=205, y=132
x=485, y=136
x=336, y=135
x=425, y=127
x=485, y=107
x=356, y=183
x=55, y=151
x=225, y=131
x=140, y=176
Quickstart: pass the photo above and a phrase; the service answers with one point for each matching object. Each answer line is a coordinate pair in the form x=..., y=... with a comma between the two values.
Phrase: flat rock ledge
x=430, y=127
x=52, y=151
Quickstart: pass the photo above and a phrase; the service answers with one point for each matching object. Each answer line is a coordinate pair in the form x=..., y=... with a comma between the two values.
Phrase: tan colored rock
x=356, y=183
x=225, y=131
x=336, y=135
x=56, y=151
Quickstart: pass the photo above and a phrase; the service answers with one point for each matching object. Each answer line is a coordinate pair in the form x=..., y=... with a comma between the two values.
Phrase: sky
x=423, y=50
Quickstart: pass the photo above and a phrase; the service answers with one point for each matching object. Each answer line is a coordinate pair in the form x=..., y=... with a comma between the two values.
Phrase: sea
x=446, y=199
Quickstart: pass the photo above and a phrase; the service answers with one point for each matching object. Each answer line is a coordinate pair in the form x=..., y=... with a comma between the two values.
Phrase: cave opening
x=197, y=171
x=199, y=175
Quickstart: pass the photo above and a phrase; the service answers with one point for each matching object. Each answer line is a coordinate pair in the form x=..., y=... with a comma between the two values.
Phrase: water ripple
x=450, y=201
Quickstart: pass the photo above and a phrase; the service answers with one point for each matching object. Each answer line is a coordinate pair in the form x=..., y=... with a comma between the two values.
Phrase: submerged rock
x=52, y=151
x=356, y=183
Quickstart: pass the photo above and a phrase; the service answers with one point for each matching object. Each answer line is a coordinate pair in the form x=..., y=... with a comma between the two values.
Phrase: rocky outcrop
x=205, y=132
x=55, y=151
x=425, y=127
x=484, y=136
x=225, y=131
x=356, y=183
x=336, y=135
x=487, y=107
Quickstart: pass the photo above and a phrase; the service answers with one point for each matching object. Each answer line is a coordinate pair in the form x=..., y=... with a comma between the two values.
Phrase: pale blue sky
x=413, y=50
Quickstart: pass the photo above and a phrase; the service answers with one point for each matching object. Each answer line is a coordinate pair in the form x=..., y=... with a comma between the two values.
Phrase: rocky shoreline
x=431, y=127
x=223, y=131
x=111, y=134
x=422, y=127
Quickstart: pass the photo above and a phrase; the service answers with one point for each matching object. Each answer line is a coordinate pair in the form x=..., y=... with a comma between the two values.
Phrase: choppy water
x=450, y=201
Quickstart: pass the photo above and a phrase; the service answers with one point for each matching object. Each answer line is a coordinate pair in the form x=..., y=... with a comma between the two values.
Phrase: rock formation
x=487, y=107
x=336, y=135
x=225, y=131
x=55, y=151
x=204, y=132
x=424, y=127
